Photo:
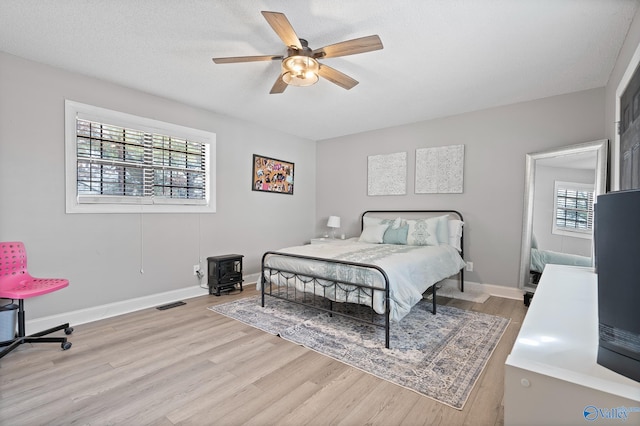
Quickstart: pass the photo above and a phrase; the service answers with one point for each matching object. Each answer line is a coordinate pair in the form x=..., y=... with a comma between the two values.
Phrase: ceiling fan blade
x=283, y=28
x=278, y=86
x=235, y=59
x=349, y=47
x=337, y=77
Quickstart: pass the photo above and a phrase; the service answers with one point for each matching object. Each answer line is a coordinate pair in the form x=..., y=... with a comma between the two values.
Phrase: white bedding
x=411, y=270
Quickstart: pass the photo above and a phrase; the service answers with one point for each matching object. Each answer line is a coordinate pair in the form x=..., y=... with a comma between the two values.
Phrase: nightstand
x=224, y=273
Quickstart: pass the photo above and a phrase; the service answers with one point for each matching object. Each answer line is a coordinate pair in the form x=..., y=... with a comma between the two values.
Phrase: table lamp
x=333, y=223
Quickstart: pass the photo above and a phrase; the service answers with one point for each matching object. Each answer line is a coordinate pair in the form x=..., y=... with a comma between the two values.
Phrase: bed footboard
x=327, y=294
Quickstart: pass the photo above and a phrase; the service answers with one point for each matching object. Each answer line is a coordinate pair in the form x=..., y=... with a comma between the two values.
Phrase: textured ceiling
x=440, y=57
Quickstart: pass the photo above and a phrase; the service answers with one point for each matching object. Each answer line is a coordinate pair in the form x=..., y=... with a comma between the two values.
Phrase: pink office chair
x=17, y=284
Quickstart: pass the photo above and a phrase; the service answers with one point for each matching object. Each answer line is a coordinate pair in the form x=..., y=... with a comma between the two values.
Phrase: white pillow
x=442, y=231
x=423, y=232
x=455, y=232
x=373, y=233
x=368, y=221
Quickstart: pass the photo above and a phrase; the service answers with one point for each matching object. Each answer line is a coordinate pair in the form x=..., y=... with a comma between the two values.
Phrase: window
x=121, y=163
x=573, y=209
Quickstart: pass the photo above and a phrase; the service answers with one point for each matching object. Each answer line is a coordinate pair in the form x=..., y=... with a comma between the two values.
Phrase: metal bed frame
x=286, y=289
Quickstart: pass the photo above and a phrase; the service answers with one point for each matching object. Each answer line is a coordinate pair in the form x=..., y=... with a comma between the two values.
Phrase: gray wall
x=102, y=254
x=496, y=141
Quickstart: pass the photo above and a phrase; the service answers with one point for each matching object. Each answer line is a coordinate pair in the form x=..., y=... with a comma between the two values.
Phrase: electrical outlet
x=196, y=269
x=470, y=266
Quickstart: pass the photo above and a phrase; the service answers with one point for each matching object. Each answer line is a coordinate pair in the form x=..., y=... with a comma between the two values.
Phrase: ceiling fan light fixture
x=300, y=67
x=299, y=70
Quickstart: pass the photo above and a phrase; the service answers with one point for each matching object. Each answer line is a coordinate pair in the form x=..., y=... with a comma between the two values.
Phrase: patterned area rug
x=439, y=356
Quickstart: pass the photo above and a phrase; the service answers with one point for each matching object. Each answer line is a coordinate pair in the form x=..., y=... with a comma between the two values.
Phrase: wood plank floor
x=191, y=366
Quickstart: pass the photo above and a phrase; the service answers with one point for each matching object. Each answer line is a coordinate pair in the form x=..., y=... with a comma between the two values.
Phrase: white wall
x=496, y=142
x=102, y=254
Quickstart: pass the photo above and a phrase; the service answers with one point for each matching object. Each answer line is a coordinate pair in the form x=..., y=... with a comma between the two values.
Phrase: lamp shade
x=334, y=222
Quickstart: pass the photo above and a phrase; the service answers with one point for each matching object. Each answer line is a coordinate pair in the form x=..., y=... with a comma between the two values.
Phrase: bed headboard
x=416, y=214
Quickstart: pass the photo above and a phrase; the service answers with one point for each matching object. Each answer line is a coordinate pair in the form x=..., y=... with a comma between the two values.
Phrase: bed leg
x=386, y=331
x=433, y=310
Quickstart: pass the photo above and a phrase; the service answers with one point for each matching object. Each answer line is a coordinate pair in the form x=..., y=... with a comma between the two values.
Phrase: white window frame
x=572, y=232
x=107, y=204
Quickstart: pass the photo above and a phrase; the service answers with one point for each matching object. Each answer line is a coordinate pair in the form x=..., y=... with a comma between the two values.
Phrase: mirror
x=557, y=182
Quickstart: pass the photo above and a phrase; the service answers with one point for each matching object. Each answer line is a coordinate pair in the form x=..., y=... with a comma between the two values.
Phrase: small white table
x=326, y=240
x=551, y=375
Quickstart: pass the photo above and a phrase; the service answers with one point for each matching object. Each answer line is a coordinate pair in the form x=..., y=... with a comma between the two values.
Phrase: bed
x=540, y=258
x=398, y=256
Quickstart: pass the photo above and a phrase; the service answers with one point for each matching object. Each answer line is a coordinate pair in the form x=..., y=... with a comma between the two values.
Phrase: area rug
x=439, y=356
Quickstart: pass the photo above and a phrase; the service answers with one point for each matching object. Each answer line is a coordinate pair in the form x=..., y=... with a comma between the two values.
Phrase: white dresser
x=551, y=375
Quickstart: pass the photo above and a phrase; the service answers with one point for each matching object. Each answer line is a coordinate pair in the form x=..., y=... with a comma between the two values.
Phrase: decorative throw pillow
x=396, y=236
x=397, y=223
x=423, y=232
x=373, y=234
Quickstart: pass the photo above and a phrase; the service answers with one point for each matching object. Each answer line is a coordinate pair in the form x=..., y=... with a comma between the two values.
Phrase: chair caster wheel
x=65, y=345
x=68, y=330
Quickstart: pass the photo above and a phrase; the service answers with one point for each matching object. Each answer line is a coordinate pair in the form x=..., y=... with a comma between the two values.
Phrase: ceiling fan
x=300, y=67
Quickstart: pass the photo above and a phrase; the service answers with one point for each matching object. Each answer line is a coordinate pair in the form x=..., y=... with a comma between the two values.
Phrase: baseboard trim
x=83, y=316
x=251, y=278
x=491, y=289
x=505, y=292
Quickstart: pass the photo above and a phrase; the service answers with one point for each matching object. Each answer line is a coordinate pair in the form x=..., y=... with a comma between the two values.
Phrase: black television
x=617, y=263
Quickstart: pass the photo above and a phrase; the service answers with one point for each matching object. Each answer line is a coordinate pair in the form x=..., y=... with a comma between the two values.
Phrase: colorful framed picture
x=272, y=175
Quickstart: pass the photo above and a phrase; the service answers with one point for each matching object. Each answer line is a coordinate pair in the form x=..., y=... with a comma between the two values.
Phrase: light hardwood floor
x=189, y=365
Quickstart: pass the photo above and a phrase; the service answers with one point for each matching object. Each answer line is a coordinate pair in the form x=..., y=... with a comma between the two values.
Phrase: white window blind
x=121, y=162
x=126, y=160
x=573, y=210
